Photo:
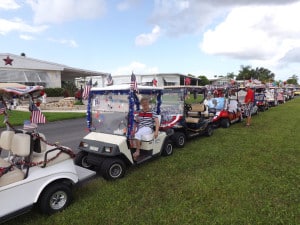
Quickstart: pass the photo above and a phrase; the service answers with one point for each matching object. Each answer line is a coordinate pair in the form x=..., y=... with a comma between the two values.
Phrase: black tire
x=209, y=130
x=113, y=168
x=167, y=148
x=225, y=123
x=81, y=160
x=179, y=139
x=55, y=198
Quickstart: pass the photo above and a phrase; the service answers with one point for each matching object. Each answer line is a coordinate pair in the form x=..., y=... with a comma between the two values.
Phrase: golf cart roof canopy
x=185, y=86
x=126, y=88
x=19, y=89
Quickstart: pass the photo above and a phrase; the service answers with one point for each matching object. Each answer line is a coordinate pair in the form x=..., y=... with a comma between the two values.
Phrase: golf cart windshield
x=111, y=111
x=173, y=102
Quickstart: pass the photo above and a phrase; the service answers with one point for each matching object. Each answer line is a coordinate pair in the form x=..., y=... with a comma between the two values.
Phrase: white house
x=30, y=71
x=161, y=79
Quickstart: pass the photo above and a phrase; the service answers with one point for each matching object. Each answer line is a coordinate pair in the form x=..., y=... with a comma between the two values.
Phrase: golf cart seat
x=198, y=108
x=192, y=120
x=52, y=156
x=20, y=147
x=13, y=175
x=5, y=142
x=196, y=113
x=48, y=153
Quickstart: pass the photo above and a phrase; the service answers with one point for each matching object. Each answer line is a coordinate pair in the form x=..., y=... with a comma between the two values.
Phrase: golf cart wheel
x=113, y=168
x=81, y=160
x=225, y=123
x=167, y=148
x=55, y=198
x=209, y=130
x=179, y=139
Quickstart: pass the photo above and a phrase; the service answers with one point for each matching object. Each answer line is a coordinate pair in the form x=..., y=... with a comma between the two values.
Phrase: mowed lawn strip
x=17, y=118
x=240, y=175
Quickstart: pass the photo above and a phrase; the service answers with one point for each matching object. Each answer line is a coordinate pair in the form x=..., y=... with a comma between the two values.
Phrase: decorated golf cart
x=260, y=98
x=227, y=107
x=33, y=171
x=110, y=144
x=184, y=113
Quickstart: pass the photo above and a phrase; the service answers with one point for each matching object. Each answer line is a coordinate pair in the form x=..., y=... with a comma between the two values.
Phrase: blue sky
x=207, y=37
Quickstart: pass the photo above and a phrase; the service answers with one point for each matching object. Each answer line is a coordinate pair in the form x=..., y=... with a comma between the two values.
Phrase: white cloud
x=68, y=42
x=181, y=17
x=9, y=4
x=135, y=67
x=7, y=26
x=262, y=34
x=148, y=39
x=27, y=37
x=58, y=11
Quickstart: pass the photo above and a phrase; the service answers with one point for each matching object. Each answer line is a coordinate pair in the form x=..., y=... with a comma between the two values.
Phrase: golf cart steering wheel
x=187, y=107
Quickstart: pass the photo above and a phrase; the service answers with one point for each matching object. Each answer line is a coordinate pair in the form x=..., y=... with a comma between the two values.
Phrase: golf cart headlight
x=108, y=149
x=83, y=144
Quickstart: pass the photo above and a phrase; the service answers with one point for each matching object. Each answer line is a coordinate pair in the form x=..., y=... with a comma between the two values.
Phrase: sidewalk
x=25, y=108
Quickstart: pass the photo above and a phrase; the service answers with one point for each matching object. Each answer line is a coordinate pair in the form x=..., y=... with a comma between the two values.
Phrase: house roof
x=10, y=61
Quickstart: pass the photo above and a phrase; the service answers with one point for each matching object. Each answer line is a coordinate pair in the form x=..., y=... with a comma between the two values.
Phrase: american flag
x=36, y=115
x=86, y=90
x=29, y=126
x=133, y=83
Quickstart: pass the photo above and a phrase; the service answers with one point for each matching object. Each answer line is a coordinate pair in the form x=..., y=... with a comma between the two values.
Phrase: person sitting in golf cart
x=146, y=119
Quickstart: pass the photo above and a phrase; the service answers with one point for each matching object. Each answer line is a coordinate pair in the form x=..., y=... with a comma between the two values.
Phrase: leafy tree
x=204, y=81
x=262, y=74
x=230, y=75
x=292, y=80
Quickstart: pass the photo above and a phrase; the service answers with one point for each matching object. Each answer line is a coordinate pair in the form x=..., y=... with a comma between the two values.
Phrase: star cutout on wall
x=8, y=61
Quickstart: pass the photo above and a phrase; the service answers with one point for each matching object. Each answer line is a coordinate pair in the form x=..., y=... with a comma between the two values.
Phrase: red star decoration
x=8, y=61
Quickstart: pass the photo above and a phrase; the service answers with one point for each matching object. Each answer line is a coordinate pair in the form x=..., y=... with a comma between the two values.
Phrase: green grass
x=18, y=117
x=238, y=176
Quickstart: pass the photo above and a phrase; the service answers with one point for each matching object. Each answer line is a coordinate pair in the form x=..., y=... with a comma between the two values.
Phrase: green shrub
x=78, y=103
x=55, y=92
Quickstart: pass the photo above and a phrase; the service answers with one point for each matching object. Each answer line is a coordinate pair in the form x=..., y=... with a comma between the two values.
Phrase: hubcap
x=84, y=162
x=181, y=140
x=169, y=148
x=115, y=170
x=58, y=200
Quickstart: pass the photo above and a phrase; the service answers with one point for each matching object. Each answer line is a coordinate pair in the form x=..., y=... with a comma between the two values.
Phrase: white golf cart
x=110, y=145
x=31, y=169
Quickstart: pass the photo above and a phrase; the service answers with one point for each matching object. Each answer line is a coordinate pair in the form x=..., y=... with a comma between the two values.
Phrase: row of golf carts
x=47, y=172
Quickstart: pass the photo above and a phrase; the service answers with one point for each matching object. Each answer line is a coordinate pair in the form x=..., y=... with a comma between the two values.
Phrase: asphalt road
x=65, y=132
